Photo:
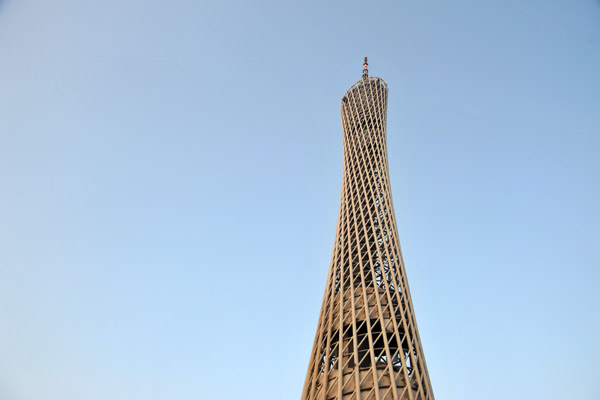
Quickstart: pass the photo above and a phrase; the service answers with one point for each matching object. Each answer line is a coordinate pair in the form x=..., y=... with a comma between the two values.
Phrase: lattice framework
x=367, y=345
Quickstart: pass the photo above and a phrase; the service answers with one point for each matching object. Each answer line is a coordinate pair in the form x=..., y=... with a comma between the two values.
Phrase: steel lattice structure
x=367, y=345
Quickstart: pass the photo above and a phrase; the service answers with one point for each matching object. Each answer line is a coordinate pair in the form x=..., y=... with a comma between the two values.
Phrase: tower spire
x=365, y=70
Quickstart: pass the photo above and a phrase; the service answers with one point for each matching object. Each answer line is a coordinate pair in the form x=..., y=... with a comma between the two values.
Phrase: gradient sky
x=170, y=176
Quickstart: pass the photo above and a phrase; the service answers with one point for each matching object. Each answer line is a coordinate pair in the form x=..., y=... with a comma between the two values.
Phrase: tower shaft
x=367, y=345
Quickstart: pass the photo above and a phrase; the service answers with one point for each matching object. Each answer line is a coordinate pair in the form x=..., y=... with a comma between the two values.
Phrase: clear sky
x=170, y=176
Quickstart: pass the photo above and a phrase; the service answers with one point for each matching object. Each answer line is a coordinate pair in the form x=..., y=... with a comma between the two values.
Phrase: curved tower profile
x=367, y=345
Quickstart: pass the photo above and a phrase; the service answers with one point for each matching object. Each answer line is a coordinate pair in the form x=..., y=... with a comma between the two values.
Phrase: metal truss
x=367, y=345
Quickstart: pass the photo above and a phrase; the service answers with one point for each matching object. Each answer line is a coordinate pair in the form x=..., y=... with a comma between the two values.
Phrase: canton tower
x=367, y=345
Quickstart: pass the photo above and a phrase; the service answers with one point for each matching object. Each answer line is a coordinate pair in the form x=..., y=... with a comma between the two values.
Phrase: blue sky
x=170, y=176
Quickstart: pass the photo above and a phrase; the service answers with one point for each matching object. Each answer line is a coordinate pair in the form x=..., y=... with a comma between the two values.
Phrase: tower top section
x=365, y=70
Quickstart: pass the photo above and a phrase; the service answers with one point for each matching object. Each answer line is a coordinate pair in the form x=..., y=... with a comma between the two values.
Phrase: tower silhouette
x=367, y=345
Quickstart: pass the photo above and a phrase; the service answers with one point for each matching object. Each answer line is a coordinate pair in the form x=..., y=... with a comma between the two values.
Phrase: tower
x=367, y=345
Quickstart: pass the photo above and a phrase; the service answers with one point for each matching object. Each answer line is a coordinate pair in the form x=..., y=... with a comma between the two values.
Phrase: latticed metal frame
x=367, y=345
